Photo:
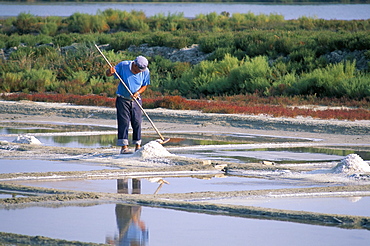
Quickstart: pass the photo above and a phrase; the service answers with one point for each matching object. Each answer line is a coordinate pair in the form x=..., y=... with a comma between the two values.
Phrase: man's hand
x=110, y=71
x=136, y=95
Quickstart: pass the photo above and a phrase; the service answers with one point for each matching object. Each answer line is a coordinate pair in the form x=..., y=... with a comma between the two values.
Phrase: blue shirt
x=133, y=81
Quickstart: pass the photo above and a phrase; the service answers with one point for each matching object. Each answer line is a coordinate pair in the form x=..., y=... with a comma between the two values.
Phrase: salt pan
x=352, y=163
x=152, y=149
x=25, y=139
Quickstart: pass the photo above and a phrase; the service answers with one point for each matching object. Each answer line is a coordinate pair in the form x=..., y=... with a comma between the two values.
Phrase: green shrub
x=252, y=76
x=49, y=28
x=23, y=57
x=209, y=42
x=25, y=23
x=327, y=82
x=160, y=39
x=123, y=40
x=284, y=85
x=3, y=41
x=64, y=39
x=85, y=23
x=203, y=79
x=40, y=80
x=12, y=82
x=355, y=88
x=294, y=49
x=76, y=83
x=13, y=41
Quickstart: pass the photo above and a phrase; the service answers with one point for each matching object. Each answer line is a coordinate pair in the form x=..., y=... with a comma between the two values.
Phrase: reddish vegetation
x=248, y=104
x=94, y=100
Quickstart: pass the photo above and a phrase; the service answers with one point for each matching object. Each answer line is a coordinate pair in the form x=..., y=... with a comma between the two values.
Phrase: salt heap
x=152, y=149
x=24, y=139
x=352, y=163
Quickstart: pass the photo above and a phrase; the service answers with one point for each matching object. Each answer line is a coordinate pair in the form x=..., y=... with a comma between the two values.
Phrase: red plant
x=248, y=104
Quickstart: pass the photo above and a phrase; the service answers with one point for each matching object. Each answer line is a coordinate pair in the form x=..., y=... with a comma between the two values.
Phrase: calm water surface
x=108, y=223
x=323, y=11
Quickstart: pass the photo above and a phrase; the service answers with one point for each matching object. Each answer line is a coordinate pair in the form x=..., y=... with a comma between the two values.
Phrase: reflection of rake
x=161, y=183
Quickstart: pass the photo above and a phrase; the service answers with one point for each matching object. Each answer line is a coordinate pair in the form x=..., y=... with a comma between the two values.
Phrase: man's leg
x=123, y=121
x=136, y=120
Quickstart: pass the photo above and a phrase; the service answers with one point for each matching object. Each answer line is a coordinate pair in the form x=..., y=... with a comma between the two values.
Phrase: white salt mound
x=352, y=163
x=152, y=149
x=24, y=139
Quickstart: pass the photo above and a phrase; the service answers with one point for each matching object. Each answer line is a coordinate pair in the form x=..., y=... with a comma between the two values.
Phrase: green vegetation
x=262, y=55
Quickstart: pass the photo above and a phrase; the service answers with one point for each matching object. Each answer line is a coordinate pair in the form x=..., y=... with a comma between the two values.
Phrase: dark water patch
x=119, y=224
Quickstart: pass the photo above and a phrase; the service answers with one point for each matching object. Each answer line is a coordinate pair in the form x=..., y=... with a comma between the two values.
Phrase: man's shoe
x=137, y=147
x=125, y=151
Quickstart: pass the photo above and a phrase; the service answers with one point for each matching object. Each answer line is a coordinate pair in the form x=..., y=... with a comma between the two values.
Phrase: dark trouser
x=128, y=112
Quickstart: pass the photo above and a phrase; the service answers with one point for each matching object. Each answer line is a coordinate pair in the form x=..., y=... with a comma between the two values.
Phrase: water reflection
x=62, y=135
x=9, y=195
x=131, y=228
x=24, y=128
x=319, y=150
x=101, y=224
x=123, y=185
x=91, y=141
x=193, y=184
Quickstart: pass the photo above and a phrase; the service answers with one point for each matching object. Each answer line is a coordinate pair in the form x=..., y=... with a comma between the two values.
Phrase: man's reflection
x=132, y=230
x=122, y=186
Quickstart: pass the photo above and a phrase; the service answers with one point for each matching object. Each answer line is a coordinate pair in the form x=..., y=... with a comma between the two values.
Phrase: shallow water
x=28, y=166
x=85, y=136
x=9, y=195
x=29, y=128
x=276, y=156
x=191, y=10
x=176, y=184
x=281, y=155
x=167, y=227
x=331, y=205
x=65, y=138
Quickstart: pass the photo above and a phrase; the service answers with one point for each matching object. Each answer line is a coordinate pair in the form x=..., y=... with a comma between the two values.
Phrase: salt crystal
x=24, y=139
x=152, y=149
x=352, y=163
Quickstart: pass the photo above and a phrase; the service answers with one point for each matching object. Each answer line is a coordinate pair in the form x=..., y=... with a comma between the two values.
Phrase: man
x=136, y=76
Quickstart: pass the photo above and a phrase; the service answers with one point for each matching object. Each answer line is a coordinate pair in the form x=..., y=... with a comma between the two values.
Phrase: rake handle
x=128, y=89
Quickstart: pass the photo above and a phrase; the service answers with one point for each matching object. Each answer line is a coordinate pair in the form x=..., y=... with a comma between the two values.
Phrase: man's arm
x=141, y=90
x=110, y=71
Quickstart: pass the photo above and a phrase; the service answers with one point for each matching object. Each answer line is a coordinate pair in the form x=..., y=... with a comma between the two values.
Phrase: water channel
x=110, y=223
x=191, y=10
